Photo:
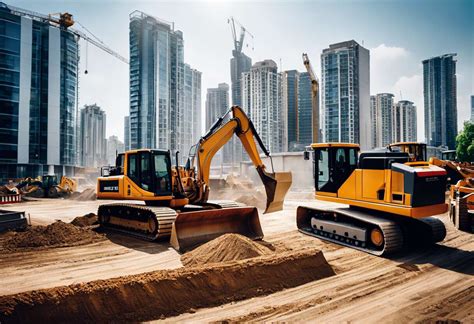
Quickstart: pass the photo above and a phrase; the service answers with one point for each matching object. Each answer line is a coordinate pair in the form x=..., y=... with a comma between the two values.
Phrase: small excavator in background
x=176, y=197
x=390, y=199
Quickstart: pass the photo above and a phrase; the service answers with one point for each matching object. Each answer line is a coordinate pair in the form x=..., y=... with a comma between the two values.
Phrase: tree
x=465, y=143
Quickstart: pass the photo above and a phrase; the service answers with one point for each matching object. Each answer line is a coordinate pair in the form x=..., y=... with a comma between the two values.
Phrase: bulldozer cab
x=333, y=163
x=49, y=181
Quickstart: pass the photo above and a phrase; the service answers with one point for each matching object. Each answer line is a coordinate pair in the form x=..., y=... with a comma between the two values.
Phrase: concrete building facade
x=114, y=147
x=439, y=89
x=93, y=147
x=404, y=119
x=261, y=100
x=126, y=132
x=162, y=88
x=345, y=89
x=383, y=119
x=38, y=97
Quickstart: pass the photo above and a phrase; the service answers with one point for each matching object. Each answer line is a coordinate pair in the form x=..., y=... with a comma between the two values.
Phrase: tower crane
x=64, y=21
x=314, y=97
x=238, y=43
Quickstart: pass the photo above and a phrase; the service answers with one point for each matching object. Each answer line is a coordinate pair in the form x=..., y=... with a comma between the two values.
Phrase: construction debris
x=227, y=247
x=58, y=234
x=160, y=294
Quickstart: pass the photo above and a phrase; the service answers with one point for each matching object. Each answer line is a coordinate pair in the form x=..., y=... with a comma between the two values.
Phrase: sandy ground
x=426, y=284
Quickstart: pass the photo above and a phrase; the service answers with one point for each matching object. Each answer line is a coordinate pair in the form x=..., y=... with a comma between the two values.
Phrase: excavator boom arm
x=276, y=184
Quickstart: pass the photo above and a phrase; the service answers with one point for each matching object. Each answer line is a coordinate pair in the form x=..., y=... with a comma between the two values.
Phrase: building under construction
x=39, y=90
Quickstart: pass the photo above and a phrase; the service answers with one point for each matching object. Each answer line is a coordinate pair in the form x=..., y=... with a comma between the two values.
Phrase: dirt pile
x=160, y=294
x=86, y=195
x=86, y=220
x=227, y=247
x=58, y=234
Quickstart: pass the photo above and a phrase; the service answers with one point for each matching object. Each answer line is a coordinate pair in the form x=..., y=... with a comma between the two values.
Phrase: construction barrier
x=10, y=199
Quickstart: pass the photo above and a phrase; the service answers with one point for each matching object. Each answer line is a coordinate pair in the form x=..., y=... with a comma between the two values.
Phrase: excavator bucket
x=191, y=229
x=276, y=186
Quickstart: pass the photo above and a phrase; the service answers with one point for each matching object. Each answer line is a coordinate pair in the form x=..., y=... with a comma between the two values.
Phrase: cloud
x=387, y=64
x=384, y=53
x=411, y=88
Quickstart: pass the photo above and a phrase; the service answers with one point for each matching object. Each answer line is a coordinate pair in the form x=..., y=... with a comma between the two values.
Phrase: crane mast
x=238, y=43
x=64, y=21
x=314, y=97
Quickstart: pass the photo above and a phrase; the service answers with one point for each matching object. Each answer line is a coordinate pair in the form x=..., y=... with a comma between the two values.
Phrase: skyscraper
x=289, y=107
x=38, y=97
x=261, y=100
x=345, y=85
x=383, y=119
x=93, y=141
x=164, y=92
x=126, y=132
x=114, y=146
x=306, y=128
x=404, y=122
x=439, y=89
x=373, y=121
x=217, y=104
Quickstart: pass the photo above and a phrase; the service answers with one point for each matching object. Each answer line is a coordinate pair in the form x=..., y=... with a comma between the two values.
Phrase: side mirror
x=306, y=155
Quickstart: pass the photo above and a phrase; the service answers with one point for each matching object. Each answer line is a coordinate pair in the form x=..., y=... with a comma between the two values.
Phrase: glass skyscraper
x=261, y=100
x=289, y=105
x=439, y=89
x=38, y=97
x=345, y=86
x=404, y=122
x=164, y=92
x=305, y=111
x=217, y=104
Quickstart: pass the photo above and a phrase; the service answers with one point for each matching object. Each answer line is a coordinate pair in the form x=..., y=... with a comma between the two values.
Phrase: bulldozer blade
x=276, y=186
x=191, y=229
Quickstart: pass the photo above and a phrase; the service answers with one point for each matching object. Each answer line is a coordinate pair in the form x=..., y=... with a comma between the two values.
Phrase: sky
x=399, y=34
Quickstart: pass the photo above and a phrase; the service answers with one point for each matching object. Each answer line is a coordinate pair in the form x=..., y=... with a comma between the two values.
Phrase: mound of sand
x=227, y=247
x=58, y=234
x=86, y=220
x=158, y=294
x=87, y=194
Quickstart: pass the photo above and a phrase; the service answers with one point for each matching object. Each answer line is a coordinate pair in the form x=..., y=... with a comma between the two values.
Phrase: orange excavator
x=390, y=199
x=176, y=197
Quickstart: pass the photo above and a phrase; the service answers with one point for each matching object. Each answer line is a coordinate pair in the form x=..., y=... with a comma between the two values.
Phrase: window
x=133, y=172
x=162, y=173
x=322, y=175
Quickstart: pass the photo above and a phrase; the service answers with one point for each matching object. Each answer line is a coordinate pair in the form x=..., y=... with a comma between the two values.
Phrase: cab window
x=162, y=175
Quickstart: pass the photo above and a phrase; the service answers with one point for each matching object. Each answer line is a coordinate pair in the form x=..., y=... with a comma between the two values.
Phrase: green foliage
x=465, y=143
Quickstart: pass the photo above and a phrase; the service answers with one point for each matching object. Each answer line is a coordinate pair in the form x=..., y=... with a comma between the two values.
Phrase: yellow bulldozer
x=390, y=199
x=176, y=197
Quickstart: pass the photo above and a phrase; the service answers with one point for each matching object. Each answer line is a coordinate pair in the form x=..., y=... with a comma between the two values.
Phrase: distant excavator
x=176, y=197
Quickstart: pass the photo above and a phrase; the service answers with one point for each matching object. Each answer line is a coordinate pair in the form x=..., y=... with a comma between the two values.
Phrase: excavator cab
x=449, y=155
x=416, y=151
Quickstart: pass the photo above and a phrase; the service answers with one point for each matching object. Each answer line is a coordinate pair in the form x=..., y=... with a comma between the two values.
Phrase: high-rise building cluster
x=391, y=121
x=38, y=96
x=165, y=93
